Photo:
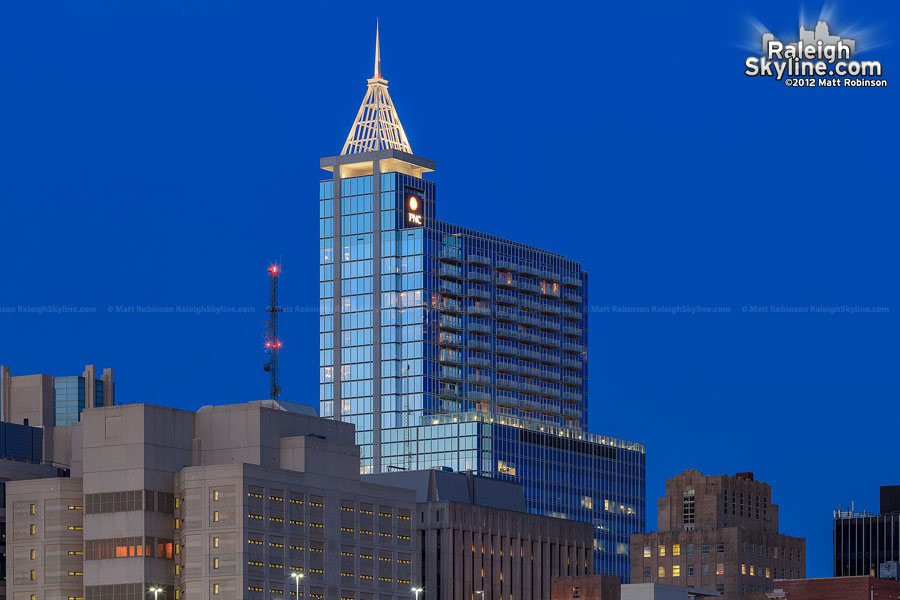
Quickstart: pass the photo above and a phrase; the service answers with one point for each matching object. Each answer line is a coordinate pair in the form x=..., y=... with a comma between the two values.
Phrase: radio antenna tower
x=273, y=342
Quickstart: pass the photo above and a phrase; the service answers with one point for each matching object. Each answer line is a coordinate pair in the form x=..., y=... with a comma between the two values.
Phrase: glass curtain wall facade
x=448, y=347
x=69, y=398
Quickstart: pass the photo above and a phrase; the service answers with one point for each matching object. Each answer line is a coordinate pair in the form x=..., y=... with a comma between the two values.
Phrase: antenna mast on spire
x=273, y=342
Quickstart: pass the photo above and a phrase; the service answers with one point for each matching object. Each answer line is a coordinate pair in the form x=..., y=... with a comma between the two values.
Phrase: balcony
x=449, y=392
x=572, y=281
x=451, y=271
x=550, y=341
x=531, y=338
x=527, y=270
x=532, y=288
x=530, y=371
x=571, y=364
x=550, y=275
x=478, y=259
x=507, y=400
x=548, y=375
x=475, y=361
x=530, y=354
x=571, y=330
x=571, y=397
x=507, y=349
x=450, y=322
x=573, y=413
x=508, y=384
x=506, y=282
x=506, y=298
x=530, y=387
x=506, y=366
x=572, y=380
x=549, y=309
x=484, y=311
x=571, y=314
x=481, y=294
x=479, y=396
x=506, y=314
x=550, y=391
x=449, y=339
x=479, y=327
x=479, y=277
x=572, y=298
x=451, y=254
x=529, y=319
x=505, y=265
x=451, y=357
x=447, y=305
x=448, y=287
x=571, y=347
x=549, y=291
x=549, y=325
x=450, y=373
x=478, y=345
x=549, y=359
x=482, y=378
x=506, y=332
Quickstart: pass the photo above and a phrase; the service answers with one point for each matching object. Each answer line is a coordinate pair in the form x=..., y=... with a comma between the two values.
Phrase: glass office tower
x=451, y=348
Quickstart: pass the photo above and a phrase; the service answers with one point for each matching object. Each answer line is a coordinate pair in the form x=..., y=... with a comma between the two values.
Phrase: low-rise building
x=224, y=503
x=477, y=540
x=836, y=588
x=717, y=533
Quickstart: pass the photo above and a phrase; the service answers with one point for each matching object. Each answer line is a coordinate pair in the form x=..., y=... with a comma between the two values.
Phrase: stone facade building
x=477, y=540
x=224, y=503
x=717, y=533
x=836, y=588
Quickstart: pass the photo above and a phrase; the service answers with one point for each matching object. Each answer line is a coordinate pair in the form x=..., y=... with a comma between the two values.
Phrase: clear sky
x=163, y=153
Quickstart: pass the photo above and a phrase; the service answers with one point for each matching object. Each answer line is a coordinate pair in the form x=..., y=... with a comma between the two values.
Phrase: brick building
x=836, y=588
x=717, y=533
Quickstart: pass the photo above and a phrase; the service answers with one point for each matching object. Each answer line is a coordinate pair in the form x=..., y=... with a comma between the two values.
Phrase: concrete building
x=46, y=401
x=224, y=503
x=478, y=542
x=450, y=347
x=836, y=588
x=604, y=587
x=717, y=533
x=863, y=541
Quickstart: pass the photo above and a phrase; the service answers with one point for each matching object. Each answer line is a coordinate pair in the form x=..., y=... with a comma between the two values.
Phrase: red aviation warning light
x=273, y=344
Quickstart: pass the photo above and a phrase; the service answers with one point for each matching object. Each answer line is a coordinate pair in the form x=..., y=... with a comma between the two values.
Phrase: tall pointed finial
x=377, y=53
x=377, y=126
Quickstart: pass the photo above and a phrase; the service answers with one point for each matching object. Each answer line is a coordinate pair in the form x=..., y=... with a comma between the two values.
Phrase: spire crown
x=377, y=126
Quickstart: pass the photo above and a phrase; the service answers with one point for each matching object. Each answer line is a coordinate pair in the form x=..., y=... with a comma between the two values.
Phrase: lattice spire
x=377, y=126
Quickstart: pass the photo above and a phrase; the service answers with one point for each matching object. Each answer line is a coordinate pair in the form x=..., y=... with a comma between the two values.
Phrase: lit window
x=768, y=573
x=216, y=497
x=32, y=509
x=720, y=569
x=661, y=550
x=33, y=572
x=743, y=569
x=33, y=554
x=216, y=563
x=676, y=570
x=216, y=589
x=660, y=571
x=177, y=523
x=647, y=552
x=676, y=549
x=215, y=516
x=32, y=529
x=215, y=542
x=752, y=572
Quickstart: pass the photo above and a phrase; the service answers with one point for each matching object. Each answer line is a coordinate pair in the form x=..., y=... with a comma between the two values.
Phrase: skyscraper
x=452, y=348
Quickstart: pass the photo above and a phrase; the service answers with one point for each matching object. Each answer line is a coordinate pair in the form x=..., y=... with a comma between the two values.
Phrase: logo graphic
x=817, y=58
x=413, y=209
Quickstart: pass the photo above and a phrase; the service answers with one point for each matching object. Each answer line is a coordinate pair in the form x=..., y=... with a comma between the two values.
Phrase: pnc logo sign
x=413, y=209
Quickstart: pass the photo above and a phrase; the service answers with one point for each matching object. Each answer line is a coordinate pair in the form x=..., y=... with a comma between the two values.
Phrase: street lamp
x=416, y=591
x=297, y=577
x=156, y=591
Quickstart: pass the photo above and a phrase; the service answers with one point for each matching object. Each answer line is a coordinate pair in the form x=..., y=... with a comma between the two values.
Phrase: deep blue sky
x=164, y=153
